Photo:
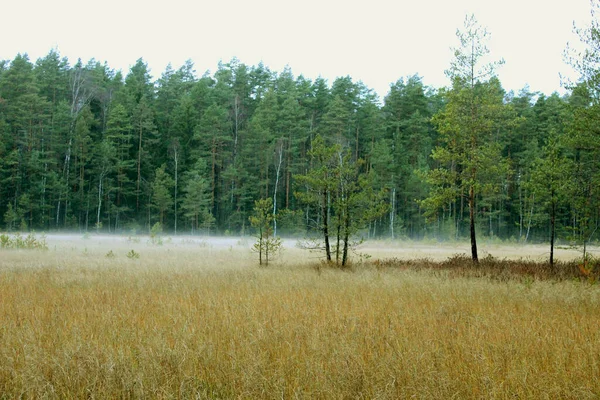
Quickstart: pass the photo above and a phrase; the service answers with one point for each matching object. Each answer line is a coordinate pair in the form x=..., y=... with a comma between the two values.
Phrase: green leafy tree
x=400, y=157
x=118, y=133
x=22, y=119
x=317, y=186
x=466, y=125
x=213, y=137
x=260, y=141
x=336, y=123
x=262, y=220
x=356, y=205
x=582, y=131
x=145, y=130
x=293, y=131
x=25, y=211
x=522, y=148
x=138, y=97
x=11, y=218
x=196, y=197
x=583, y=142
x=82, y=156
x=105, y=160
x=551, y=178
x=341, y=194
x=162, y=200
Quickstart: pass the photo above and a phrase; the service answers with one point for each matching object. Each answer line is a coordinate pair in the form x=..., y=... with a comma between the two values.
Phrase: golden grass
x=201, y=322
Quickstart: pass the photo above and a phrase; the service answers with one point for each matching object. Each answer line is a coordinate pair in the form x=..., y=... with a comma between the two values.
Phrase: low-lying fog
x=404, y=249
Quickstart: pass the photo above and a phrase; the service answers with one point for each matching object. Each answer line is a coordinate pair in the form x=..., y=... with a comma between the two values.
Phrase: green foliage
x=469, y=156
x=583, y=131
x=196, y=202
x=83, y=146
x=162, y=198
x=551, y=182
x=133, y=255
x=266, y=244
x=291, y=222
x=343, y=196
x=156, y=234
x=11, y=217
x=16, y=241
x=5, y=241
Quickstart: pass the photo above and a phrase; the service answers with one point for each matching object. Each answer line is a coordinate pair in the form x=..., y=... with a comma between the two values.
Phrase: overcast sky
x=376, y=41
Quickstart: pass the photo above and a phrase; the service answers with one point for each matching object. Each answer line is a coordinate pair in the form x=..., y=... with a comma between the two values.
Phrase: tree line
x=84, y=147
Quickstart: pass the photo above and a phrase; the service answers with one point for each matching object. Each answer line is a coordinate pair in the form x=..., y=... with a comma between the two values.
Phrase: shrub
x=30, y=242
x=155, y=234
x=133, y=255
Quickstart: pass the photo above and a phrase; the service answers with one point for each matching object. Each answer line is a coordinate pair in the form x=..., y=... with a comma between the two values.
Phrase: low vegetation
x=196, y=321
x=17, y=241
x=519, y=270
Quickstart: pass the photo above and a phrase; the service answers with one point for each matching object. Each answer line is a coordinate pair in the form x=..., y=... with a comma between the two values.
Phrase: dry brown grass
x=500, y=270
x=201, y=322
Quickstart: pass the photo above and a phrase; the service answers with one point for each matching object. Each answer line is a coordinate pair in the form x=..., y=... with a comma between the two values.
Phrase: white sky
x=376, y=41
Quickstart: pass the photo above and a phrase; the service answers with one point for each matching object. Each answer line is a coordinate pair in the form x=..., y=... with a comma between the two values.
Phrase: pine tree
x=466, y=127
x=212, y=139
x=583, y=135
x=105, y=162
x=550, y=178
x=266, y=244
x=196, y=197
x=343, y=196
x=119, y=134
x=161, y=192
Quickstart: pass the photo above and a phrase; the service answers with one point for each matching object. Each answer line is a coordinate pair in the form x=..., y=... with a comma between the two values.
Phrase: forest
x=84, y=147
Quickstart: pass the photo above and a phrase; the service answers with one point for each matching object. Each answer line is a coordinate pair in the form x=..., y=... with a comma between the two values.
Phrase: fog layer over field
x=293, y=252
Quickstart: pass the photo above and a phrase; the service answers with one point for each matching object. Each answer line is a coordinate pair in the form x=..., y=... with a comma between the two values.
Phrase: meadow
x=118, y=317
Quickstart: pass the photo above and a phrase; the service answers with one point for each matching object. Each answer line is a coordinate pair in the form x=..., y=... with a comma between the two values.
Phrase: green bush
x=132, y=255
x=16, y=241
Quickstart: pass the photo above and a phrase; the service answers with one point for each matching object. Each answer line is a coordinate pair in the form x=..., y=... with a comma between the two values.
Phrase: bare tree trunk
x=260, y=246
x=552, y=229
x=80, y=96
x=267, y=248
x=87, y=214
x=346, y=237
x=521, y=209
x=139, y=172
x=288, y=172
x=530, y=217
x=66, y=171
x=213, y=173
x=472, y=224
x=356, y=150
x=280, y=151
x=338, y=239
x=236, y=118
x=326, y=224
x=99, y=203
x=393, y=211
x=176, y=159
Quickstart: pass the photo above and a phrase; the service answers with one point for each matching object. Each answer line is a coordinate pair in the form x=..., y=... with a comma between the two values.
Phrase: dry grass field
x=199, y=319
